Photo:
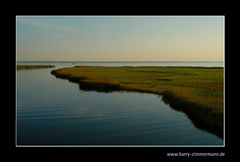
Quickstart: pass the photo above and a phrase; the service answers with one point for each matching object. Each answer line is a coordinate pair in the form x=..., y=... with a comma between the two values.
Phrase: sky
x=120, y=38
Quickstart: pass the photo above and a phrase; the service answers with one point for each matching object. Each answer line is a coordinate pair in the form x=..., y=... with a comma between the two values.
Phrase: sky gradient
x=120, y=38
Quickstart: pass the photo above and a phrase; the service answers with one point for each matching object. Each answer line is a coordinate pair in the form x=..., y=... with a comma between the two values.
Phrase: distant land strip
x=29, y=67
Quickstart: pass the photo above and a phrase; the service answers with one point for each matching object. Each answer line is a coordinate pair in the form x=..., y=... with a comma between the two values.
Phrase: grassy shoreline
x=197, y=91
x=29, y=67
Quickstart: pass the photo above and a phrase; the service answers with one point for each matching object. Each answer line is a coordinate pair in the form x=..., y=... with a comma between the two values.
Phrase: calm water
x=131, y=63
x=53, y=111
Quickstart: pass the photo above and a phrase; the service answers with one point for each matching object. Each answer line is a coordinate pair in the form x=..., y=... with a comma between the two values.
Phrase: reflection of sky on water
x=55, y=111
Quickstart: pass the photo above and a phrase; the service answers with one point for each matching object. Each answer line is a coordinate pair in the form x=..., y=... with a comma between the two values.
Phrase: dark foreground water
x=53, y=111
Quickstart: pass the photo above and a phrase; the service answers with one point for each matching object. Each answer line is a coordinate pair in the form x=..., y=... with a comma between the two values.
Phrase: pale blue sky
x=120, y=38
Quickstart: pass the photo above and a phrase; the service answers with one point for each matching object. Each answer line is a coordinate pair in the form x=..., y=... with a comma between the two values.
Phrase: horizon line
x=117, y=61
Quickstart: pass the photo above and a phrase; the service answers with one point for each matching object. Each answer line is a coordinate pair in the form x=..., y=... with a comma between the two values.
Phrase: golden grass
x=198, y=90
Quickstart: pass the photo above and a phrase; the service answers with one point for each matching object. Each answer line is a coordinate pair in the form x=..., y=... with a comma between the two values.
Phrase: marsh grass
x=29, y=67
x=197, y=91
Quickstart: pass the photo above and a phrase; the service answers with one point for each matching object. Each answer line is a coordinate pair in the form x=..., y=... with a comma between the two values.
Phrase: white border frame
x=160, y=146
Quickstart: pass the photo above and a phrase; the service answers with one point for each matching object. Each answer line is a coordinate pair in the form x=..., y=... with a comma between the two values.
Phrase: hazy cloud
x=45, y=25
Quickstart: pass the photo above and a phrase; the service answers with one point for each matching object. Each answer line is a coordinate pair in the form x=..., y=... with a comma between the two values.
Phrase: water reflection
x=198, y=122
x=53, y=111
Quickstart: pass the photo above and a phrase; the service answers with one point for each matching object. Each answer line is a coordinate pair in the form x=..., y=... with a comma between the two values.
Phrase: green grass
x=29, y=67
x=198, y=91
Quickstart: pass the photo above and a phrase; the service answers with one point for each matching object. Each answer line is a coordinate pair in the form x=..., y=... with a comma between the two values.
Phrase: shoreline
x=202, y=116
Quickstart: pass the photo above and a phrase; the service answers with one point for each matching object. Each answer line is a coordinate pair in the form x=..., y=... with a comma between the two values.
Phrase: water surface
x=52, y=111
x=128, y=63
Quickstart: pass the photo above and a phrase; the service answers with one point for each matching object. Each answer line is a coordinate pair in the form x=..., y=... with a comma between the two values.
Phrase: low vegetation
x=197, y=91
x=28, y=67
